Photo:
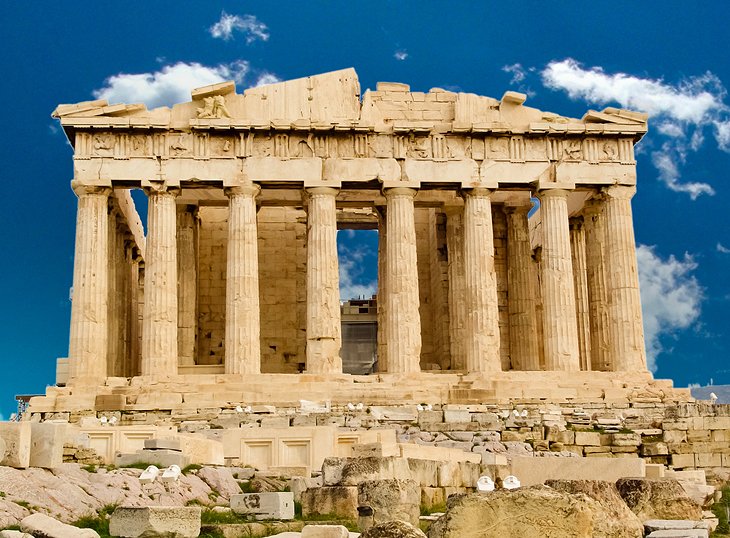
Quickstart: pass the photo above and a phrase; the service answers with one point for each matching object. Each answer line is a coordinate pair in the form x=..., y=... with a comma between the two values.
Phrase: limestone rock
x=536, y=512
x=621, y=522
x=658, y=499
x=3, y=449
x=325, y=531
x=393, y=529
x=391, y=499
x=155, y=521
x=336, y=500
x=14, y=534
x=221, y=480
x=43, y=526
x=352, y=471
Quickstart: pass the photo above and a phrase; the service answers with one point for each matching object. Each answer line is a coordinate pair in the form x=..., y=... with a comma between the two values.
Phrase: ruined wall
x=282, y=288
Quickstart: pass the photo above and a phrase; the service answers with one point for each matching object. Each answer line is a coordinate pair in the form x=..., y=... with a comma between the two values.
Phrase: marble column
x=626, y=330
x=324, y=331
x=595, y=237
x=382, y=341
x=560, y=331
x=580, y=282
x=243, y=330
x=187, y=284
x=89, y=316
x=159, y=324
x=482, y=352
x=403, y=322
x=457, y=285
x=524, y=351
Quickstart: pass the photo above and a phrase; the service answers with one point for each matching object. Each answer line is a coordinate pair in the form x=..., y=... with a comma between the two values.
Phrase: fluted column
x=482, y=307
x=159, y=325
x=524, y=351
x=403, y=322
x=243, y=329
x=382, y=341
x=626, y=330
x=457, y=285
x=89, y=316
x=324, y=331
x=578, y=251
x=560, y=331
x=187, y=284
x=595, y=237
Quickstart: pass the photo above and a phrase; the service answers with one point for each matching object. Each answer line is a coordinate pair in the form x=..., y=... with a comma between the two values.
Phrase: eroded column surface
x=403, y=323
x=187, y=284
x=243, y=330
x=89, y=315
x=626, y=330
x=578, y=250
x=524, y=351
x=560, y=332
x=595, y=237
x=323, y=284
x=382, y=341
x=457, y=285
x=159, y=325
x=482, y=311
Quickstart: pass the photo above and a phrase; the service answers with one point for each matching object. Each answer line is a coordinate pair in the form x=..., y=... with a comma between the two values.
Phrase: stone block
x=652, y=525
x=405, y=413
x=375, y=450
x=533, y=471
x=17, y=437
x=43, y=526
x=275, y=422
x=200, y=450
x=682, y=461
x=330, y=500
x=391, y=499
x=625, y=439
x=675, y=436
x=289, y=470
x=708, y=459
x=424, y=472
x=456, y=415
x=675, y=533
x=413, y=451
x=276, y=505
x=655, y=470
x=654, y=449
x=325, y=531
x=160, y=458
x=352, y=471
x=431, y=497
x=162, y=444
x=588, y=438
x=145, y=521
x=449, y=474
x=46, y=444
x=298, y=485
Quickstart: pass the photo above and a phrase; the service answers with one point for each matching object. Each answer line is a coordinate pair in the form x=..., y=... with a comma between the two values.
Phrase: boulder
x=220, y=479
x=43, y=526
x=155, y=521
x=14, y=534
x=621, y=522
x=330, y=500
x=535, y=512
x=393, y=529
x=391, y=499
x=663, y=498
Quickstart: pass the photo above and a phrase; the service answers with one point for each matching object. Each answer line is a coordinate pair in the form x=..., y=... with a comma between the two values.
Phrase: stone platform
x=192, y=392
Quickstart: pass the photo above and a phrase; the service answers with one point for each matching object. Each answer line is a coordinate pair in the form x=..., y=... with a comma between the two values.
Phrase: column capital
x=621, y=192
x=400, y=192
x=252, y=190
x=322, y=191
x=594, y=206
x=162, y=190
x=552, y=193
x=575, y=223
x=482, y=192
x=453, y=209
x=81, y=189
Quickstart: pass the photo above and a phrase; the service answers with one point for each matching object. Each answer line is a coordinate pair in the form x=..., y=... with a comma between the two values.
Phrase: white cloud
x=248, y=25
x=266, y=78
x=671, y=297
x=517, y=71
x=400, y=55
x=170, y=85
x=683, y=111
x=722, y=248
x=351, y=271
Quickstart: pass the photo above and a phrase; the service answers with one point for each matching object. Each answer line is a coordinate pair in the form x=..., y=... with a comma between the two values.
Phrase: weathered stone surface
x=338, y=500
x=221, y=480
x=270, y=505
x=14, y=534
x=530, y=513
x=657, y=499
x=46, y=444
x=43, y=526
x=325, y=531
x=352, y=471
x=17, y=443
x=155, y=521
x=391, y=499
x=393, y=529
x=620, y=521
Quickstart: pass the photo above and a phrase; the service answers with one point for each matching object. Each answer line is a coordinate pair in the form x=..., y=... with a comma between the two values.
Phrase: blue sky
x=668, y=58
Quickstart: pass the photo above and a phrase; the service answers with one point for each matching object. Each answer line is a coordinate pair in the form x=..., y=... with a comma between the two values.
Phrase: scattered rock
x=391, y=499
x=393, y=529
x=221, y=480
x=658, y=499
x=43, y=526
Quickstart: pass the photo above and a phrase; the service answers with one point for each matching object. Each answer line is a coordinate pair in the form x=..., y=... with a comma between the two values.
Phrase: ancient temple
x=506, y=258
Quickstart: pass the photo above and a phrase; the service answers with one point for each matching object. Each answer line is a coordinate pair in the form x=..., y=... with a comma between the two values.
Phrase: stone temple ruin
x=233, y=295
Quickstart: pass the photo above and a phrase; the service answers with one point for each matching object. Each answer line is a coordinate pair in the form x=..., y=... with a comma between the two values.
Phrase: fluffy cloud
x=352, y=273
x=518, y=72
x=266, y=78
x=722, y=248
x=683, y=111
x=252, y=28
x=400, y=55
x=172, y=83
x=671, y=297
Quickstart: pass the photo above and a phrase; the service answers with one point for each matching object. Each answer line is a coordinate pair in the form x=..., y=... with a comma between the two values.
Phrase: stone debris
x=393, y=529
x=43, y=526
x=155, y=521
x=658, y=499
